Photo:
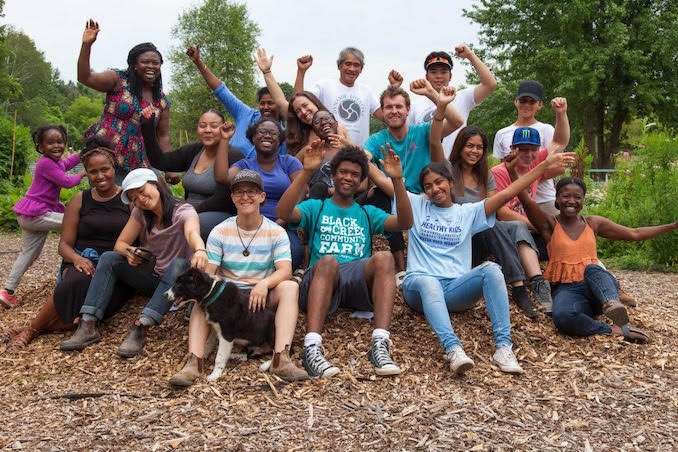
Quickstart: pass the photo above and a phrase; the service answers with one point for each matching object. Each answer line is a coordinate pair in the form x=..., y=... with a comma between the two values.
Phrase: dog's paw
x=265, y=365
x=214, y=376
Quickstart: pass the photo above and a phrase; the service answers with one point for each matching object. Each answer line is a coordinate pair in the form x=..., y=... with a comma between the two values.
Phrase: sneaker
x=315, y=363
x=506, y=360
x=522, y=300
x=542, y=293
x=459, y=362
x=380, y=356
x=84, y=336
x=7, y=300
x=134, y=342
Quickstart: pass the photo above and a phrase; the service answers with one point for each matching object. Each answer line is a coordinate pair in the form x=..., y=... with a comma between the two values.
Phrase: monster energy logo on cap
x=526, y=135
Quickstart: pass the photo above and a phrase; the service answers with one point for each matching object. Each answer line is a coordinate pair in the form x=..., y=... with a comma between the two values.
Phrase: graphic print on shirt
x=428, y=116
x=440, y=234
x=341, y=236
x=349, y=108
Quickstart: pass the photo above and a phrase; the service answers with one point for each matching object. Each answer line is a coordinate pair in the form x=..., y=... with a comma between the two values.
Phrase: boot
x=190, y=373
x=626, y=299
x=134, y=342
x=283, y=367
x=84, y=336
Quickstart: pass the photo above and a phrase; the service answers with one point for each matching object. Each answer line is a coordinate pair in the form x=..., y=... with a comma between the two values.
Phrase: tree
x=613, y=59
x=227, y=39
x=80, y=114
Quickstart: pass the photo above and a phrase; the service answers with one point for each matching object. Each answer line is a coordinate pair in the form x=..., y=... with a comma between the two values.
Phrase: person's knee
x=109, y=258
x=592, y=269
x=288, y=290
x=326, y=267
x=383, y=261
x=565, y=320
x=492, y=271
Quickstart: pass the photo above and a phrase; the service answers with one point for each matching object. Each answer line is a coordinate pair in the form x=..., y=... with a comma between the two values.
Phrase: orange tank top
x=568, y=258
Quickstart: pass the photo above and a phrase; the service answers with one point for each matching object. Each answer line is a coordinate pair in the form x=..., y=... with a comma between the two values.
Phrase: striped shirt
x=225, y=250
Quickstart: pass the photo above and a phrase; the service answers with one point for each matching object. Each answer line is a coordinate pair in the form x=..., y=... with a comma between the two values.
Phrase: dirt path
x=575, y=393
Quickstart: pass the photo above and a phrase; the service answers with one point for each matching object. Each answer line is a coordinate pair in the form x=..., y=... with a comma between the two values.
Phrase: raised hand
x=263, y=60
x=337, y=140
x=91, y=32
x=394, y=78
x=148, y=112
x=304, y=62
x=391, y=162
x=559, y=105
x=227, y=130
x=463, y=51
x=314, y=154
x=193, y=52
x=446, y=95
x=421, y=87
x=559, y=160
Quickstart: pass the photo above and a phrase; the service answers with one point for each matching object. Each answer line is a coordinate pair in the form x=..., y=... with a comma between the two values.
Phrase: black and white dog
x=227, y=310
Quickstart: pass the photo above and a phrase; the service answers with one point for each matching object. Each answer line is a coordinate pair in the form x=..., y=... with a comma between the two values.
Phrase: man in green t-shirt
x=343, y=272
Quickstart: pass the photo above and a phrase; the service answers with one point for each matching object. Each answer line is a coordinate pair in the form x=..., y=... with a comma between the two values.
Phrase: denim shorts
x=351, y=291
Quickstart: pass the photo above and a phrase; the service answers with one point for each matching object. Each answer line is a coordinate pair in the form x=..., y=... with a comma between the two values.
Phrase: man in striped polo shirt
x=254, y=253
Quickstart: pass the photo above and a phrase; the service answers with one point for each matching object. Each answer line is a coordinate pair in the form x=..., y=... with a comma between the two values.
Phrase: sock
x=146, y=320
x=312, y=339
x=519, y=292
x=89, y=317
x=380, y=333
x=9, y=291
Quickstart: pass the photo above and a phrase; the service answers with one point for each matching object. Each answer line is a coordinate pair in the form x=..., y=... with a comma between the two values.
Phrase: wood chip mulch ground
x=577, y=394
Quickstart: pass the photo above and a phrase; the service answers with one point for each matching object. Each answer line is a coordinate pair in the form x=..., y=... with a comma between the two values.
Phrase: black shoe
x=522, y=300
x=134, y=342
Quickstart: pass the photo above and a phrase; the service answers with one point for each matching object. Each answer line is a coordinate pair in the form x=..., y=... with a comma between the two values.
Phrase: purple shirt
x=275, y=181
x=49, y=178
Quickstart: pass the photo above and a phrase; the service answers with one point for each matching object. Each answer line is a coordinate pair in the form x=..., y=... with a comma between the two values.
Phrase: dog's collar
x=213, y=298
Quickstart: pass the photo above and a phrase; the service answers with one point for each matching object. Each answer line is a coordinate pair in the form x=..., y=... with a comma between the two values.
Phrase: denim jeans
x=296, y=249
x=436, y=297
x=575, y=304
x=113, y=267
x=497, y=242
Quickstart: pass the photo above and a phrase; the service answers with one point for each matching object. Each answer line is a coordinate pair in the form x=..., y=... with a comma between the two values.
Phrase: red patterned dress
x=120, y=124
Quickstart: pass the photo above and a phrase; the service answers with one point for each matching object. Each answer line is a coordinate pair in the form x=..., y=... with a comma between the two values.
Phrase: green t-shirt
x=342, y=233
x=413, y=151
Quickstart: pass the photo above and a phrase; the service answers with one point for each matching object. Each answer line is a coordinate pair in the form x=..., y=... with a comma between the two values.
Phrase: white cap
x=135, y=179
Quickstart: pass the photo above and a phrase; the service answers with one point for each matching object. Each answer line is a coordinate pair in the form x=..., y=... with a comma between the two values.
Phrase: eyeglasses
x=269, y=132
x=471, y=146
x=320, y=119
x=527, y=100
x=249, y=193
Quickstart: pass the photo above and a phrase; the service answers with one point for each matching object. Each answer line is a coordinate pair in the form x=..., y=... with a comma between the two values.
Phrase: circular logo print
x=349, y=110
x=428, y=117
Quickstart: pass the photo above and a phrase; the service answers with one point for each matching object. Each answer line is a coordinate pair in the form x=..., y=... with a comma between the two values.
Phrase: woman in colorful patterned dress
x=127, y=93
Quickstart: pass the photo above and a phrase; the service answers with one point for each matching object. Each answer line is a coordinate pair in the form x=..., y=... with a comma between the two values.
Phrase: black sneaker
x=315, y=363
x=380, y=356
x=522, y=300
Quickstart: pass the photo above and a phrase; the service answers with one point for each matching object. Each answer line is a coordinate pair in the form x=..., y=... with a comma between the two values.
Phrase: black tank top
x=100, y=222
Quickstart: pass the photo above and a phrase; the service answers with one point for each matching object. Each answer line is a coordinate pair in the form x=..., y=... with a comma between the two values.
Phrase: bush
x=23, y=148
x=642, y=193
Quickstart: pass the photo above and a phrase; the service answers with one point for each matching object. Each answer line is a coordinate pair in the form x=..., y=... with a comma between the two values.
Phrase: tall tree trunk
x=590, y=129
x=600, y=134
x=618, y=119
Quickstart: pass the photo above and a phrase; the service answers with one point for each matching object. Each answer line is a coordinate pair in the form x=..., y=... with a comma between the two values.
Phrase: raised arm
x=487, y=80
x=222, y=173
x=265, y=62
x=193, y=53
x=436, y=136
x=453, y=119
x=303, y=63
x=553, y=161
x=613, y=231
x=403, y=219
x=100, y=81
x=176, y=160
x=561, y=134
x=286, y=209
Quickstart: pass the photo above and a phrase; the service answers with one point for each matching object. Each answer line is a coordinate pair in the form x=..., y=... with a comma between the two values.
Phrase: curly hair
x=252, y=129
x=135, y=84
x=97, y=145
x=297, y=131
x=350, y=153
x=39, y=133
x=568, y=181
x=479, y=170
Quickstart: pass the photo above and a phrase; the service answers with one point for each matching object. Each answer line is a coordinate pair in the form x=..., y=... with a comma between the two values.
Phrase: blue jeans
x=296, y=249
x=113, y=267
x=436, y=297
x=575, y=304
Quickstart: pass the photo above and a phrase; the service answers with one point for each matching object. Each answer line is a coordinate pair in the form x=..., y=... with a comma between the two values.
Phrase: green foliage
x=227, y=38
x=376, y=125
x=642, y=193
x=612, y=59
x=23, y=148
x=287, y=89
x=79, y=115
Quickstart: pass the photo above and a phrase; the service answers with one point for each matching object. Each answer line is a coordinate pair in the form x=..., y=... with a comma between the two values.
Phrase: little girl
x=40, y=210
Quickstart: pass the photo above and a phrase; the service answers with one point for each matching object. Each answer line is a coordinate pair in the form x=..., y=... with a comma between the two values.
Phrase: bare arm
x=259, y=293
x=162, y=131
x=452, y=118
x=303, y=63
x=613, y=231
x=286, y=209
x=69, y=234
x=403, y=219
x=265, y=62
x=192, y=235
x=487, y=80
x=222, y=173
x=193, y=52
x=124, y=243
x=436, y=150
x=561, y=134
x=100, y=81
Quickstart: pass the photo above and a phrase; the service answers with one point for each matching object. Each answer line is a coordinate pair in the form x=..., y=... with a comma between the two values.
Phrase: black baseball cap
x=442, y=58
x=530, y=88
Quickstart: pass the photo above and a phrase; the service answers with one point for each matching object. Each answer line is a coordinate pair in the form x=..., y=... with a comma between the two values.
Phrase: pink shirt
x=49, y=178
x=503, y=180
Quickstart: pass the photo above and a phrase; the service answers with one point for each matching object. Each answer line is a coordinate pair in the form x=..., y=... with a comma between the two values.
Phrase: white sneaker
x=459, y=362
x=506, y=360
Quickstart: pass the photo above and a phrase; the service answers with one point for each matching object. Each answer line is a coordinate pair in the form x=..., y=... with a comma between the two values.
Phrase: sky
x=397, y=34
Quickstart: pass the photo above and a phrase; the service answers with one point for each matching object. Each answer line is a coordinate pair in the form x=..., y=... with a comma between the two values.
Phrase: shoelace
x=505, y=354
x=317, y=360
x=381, y=354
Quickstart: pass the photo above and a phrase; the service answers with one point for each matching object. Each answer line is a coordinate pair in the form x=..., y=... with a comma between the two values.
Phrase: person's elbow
x=405, y=223
x=222, y=178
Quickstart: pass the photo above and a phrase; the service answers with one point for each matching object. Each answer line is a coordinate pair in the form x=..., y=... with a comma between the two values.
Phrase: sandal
x=399, y=278
x=9, y=333
x=21, y=339
x=634, y=335
x=616, y=312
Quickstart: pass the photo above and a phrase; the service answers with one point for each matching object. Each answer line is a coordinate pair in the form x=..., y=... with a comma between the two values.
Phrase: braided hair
x=135, y=84
x=97, y=145
x=39, y=133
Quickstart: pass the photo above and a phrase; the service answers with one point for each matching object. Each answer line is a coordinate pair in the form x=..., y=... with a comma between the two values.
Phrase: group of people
x=285, y=204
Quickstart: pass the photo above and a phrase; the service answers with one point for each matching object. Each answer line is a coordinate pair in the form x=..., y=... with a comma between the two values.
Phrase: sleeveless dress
x=568, y=258
x=120, y=124
x=99, y=226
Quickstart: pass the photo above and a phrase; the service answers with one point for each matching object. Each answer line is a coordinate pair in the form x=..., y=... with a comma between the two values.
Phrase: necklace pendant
x=245, y=253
